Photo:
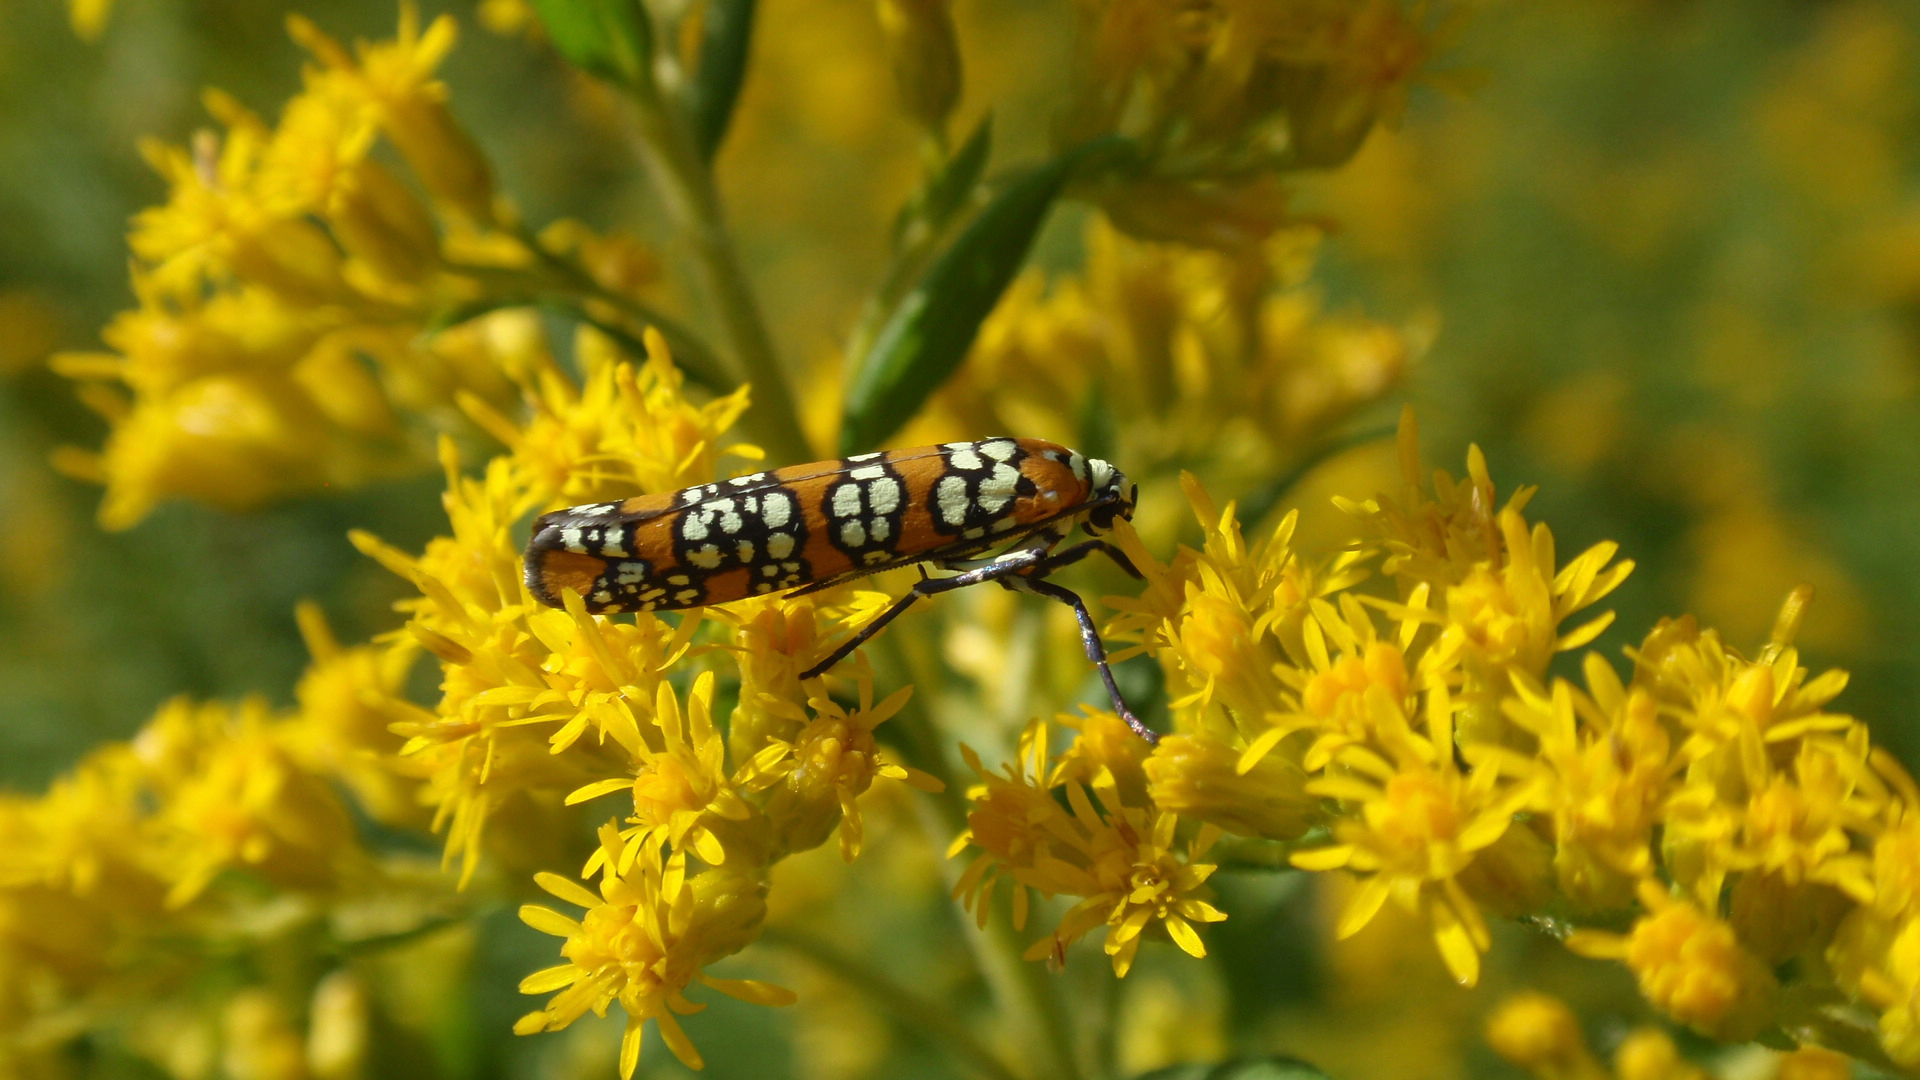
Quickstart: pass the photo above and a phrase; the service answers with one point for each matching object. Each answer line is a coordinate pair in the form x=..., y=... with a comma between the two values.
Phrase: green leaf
x=726, y=38
x=926, y=336
x=944, y=195
x=1267, y=1068
x=612, y=39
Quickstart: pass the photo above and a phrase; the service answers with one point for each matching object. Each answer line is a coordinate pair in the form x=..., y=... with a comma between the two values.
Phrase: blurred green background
x=1672, y=249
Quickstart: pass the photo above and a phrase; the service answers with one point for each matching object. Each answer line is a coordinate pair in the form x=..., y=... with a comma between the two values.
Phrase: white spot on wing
x=853, y=534
x=570, y=539
x=999, y=449
x=870, y=472
x=965, y=458
x=880, y=530
x=777, y=509
x=846, y=501
x=780, y=545
x=951, y=496
x=706, y=557
x=883, y=495
x=997, y=491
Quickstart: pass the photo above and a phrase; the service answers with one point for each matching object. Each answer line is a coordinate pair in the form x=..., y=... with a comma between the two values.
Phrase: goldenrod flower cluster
x=1408, y=730
x=288, y=285
x=1221, y=362
x=1218, y=97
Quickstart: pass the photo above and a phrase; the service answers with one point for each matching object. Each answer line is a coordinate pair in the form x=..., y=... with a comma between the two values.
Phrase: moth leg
x=1090, y=637
x=1069, y=556
x=1002, y=568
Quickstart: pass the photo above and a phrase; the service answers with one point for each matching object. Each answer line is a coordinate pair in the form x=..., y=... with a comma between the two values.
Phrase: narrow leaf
x=926, y=337
x=726, y=40
x=608, y=38
x=947, y=192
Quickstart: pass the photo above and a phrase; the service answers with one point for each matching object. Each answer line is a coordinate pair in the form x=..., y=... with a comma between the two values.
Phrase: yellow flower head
x=1120, y=859
x=394, y=81
x=1541, y=1035
x=230, y=795
x=1691, y=966
x=818, y=775
x=522, y=684
x=642, y=941
x=681, y=788
x=1602, y=774
x=1417, y=822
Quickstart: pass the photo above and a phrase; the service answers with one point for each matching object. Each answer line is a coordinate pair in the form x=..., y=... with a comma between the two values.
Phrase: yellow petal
x=1363, y=907
x=1326, y=858
x=566, y=889
x=1182, y=934
x=597, y=789
x=630, y=1041
x=677, y=1041
x=1462, y=959
x=549, y=979
x=548, y=921
x=752, y=990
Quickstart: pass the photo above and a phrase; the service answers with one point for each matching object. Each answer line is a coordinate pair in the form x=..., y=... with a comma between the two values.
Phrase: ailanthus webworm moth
x=809, y=527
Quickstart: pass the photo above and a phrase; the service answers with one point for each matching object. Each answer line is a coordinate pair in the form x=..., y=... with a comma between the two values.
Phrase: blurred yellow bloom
x=1541, y=1035
x=1225, y=364
x=1691, y=966
x=231, y=796
x=1649, y=1054
x=394, y=81
x=1220, y=96
x=642, y=942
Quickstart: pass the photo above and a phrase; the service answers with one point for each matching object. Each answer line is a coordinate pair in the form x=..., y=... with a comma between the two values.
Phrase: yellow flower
x=1228, y=365
x=1649, y=1054
x=394, y=80
x=775, y=639
x=1417, y=823
x=1197, y=776
x=1495, y=590
x=676, y=788
x=1691, y=966
x=817, y=776
x=627, y=429
x=1541, y=1035
x=523, y=683
x=1121, y=860
x=1223, y=617
x=1605, y=765
x=1222, y=95
x=349, y=699
x=230, y=795
x=642, y=942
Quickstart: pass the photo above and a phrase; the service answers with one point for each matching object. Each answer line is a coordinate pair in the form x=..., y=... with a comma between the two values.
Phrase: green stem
x=686, y=187
x=906, y=1006
x=1022, y=991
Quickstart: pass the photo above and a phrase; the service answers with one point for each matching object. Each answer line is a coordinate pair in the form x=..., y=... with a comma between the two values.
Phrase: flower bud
x=926, y=58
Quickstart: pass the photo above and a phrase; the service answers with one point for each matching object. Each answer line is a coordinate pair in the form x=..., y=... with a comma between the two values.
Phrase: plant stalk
x=686, y=188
